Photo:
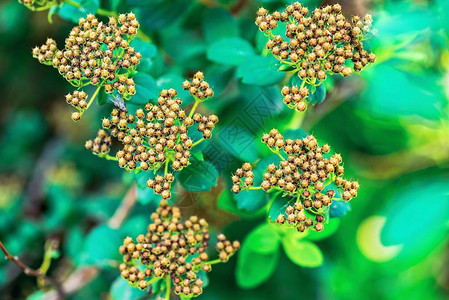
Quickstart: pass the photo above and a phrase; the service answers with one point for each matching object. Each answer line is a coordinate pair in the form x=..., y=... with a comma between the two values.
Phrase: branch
x=79, y=278
x=27, y=270
x=38, y=273
x=125, y=208
x=239, y=6
x=82, y=276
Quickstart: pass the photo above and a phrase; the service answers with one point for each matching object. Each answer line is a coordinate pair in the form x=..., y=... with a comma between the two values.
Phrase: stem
x=167, y=287
x=215, y=261
x=253, y=188
x=143, y=36
x=197, y=142
x=27, y=270
x=110, y=157
x=153, y=280
x=73, y=3
x=166, y=167
x=50, y=247
x=106, y=13
x=278, y=153
x=195, y=105
x=125, y=208
x=92, y=98
x=296, y=121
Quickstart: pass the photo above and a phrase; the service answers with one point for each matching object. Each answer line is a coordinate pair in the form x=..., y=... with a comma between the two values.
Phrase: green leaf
x=279, y=205
x=260, y=70
x=197, y=154
x=230, y=51
x=102, y=98
x=146, y=195
x=154, y=15
x=199, y=176
x=174, y=80
x=221, y=25
x=318, y=95
x=115, y=4
x=146, y=89
x=415, y=94
x=251, y=200
x=72, y=13
x=329, y=229
x=38, y=295
x=134, y=225
x=303, y=253
x=148, y=51
x=264, y=239
x=254, y=268
x=101, y=246
x=73, y=239
x=339, y=209
x=239, y=142
x=122, y=290
x=415, y=223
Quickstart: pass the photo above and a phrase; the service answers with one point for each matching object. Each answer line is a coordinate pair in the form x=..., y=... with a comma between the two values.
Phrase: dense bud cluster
x=205, y=124
x=161, y=185
x=243, y=178
x=173, y=250
x=295, y=97
x=101, y=144
x=40, y=4
x=317, y=44
x=96, y=53
x=156, y=136
x=297, y=217
x=77, y=99
x=197, y=87
x=309, y=174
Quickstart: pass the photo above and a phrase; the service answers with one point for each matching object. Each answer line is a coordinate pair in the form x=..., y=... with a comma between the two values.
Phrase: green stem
x=153, y=280
x=92, y=98
x=277, y=153
x=106, y=13
x=72, y=3
x=296, y=121
x=109, y=157
x=143, y=36
x=167, y=287
x=195, y=105
x=166, y=167
x=253, y=188
x=197, y=142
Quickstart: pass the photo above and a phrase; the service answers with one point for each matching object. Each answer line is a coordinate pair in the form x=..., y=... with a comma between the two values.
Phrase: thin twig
x=34, y=272
x=82, y=276
x=239, y=6
x=125, y=208
x=27, y=270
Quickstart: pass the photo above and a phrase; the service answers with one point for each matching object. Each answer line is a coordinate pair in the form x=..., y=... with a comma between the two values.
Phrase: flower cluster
x=298, y=218
x=157, y=136
x=295, y=97
x=98, y=54
x=40, y=4
x=77, y=99
x=101, y=144
x=197, y=87
x=172, y=250
x=309, y=174
x=317, y=44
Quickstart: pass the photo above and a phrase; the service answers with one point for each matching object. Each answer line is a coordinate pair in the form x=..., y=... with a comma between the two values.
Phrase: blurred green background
x=391, y=125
